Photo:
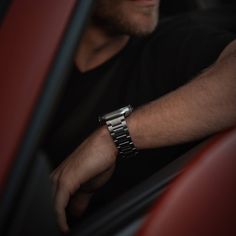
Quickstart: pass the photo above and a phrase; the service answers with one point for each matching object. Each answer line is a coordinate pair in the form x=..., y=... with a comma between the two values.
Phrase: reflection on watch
x=119, y=132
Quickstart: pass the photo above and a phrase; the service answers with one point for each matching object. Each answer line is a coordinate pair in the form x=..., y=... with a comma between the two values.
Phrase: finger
x=53, y=190
x=61, y=200
x=54, y=180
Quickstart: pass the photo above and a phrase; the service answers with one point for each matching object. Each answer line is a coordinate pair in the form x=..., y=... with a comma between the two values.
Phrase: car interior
x=26, y=205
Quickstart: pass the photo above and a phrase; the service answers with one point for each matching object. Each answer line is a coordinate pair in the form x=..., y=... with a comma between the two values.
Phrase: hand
x=86, y=169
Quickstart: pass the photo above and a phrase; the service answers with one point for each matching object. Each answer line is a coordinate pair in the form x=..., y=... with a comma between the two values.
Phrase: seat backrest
x=201, y=201
x=30, y=34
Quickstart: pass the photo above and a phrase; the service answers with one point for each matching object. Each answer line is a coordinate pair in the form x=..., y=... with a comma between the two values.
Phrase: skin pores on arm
x=202, y=107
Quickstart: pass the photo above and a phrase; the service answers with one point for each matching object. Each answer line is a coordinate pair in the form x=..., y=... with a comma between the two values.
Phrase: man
x=119, y=68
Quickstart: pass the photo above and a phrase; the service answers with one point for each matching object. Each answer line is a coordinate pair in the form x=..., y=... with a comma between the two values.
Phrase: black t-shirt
x=146, y=69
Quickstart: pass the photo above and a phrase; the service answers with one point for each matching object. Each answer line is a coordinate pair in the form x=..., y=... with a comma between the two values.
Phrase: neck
x=96, y=47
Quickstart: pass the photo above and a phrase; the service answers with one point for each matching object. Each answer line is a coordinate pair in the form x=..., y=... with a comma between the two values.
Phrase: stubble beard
x=117, y=22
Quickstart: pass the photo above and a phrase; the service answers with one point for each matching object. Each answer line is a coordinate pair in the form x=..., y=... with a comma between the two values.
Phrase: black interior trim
x=4, y=5
x=35, y=214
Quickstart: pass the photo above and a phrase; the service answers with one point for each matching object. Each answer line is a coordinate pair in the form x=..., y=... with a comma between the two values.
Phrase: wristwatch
x=119, y=132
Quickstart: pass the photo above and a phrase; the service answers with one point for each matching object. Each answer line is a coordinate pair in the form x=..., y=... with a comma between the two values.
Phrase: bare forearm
x=202, y=107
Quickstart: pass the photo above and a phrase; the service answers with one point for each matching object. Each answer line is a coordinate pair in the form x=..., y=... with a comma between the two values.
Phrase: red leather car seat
x=30, y=35
x=202, y=200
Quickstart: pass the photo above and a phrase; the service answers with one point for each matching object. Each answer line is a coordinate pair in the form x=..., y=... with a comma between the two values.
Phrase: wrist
x=119, y=132
x=137, y=129
x=104, y=135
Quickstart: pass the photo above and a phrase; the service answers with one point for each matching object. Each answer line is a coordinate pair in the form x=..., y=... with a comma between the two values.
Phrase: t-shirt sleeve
x=200, y=49
x=186, y=49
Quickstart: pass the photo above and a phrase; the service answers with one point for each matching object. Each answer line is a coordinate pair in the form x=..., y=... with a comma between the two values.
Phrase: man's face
x=132, y=17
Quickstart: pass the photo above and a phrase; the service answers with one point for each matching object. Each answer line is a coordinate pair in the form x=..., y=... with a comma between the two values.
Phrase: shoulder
x=183, y=31
x=189, y=46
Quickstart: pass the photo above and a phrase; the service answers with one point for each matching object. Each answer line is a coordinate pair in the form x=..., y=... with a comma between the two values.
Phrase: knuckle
x=65, y=184
x=54, y=178
x=62, y=182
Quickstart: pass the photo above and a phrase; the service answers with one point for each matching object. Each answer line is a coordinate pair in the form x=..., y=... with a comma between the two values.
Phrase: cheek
x=109, y=7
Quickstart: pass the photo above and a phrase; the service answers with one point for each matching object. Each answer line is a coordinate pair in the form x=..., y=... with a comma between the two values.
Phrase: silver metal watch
x=119, y=132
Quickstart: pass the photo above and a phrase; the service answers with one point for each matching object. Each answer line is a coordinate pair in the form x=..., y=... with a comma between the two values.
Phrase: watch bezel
x=125, y=111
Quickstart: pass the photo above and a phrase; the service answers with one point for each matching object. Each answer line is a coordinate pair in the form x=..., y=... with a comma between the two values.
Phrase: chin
x=140, y=21
x=140, y=26
x=126, y=19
